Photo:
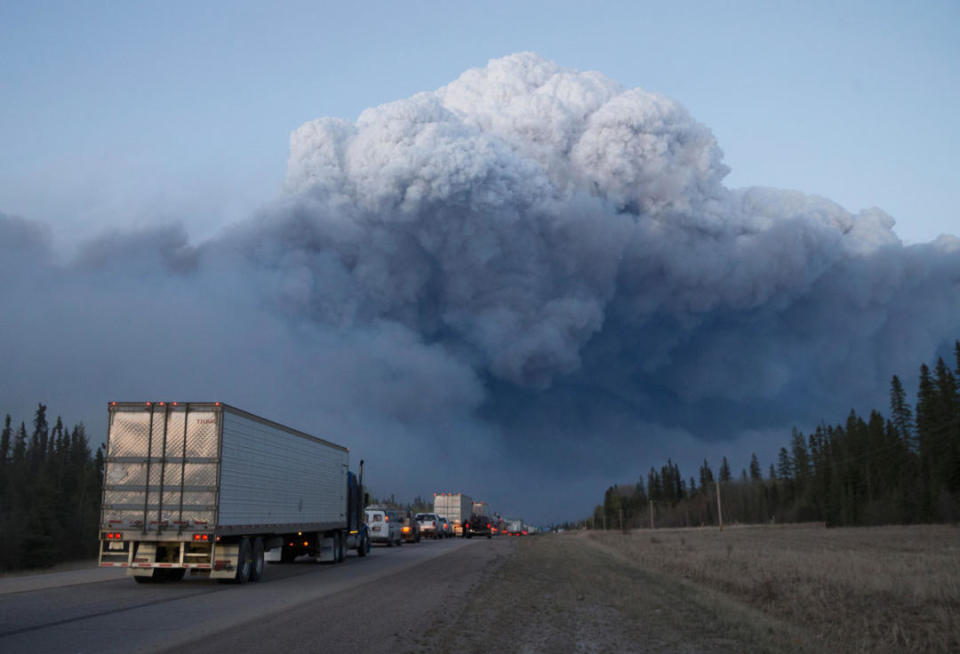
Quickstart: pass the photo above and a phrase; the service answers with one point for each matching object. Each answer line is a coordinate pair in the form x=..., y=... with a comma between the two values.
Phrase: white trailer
x=515, y=527
x=207, y=488
x=455, y=507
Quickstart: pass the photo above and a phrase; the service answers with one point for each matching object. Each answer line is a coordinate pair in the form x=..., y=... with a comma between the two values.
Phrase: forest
x=49, y=493
x=900, y=469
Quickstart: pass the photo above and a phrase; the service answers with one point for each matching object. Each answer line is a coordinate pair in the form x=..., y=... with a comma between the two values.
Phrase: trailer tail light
x=201, y=537
x=306, y=543
x=406, y=529
x=113, y=536
x=488, y=525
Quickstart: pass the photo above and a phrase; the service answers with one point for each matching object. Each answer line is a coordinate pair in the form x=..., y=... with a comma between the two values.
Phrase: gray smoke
x=528, y=284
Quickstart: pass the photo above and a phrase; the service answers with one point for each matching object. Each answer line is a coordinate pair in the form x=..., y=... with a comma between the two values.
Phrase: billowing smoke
x=528, y=284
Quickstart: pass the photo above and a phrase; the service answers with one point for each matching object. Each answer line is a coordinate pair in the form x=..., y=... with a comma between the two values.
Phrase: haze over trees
x=49, y=493
x=901, y=469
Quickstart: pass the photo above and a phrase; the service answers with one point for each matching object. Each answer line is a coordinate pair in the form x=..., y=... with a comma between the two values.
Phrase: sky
x=534, y=279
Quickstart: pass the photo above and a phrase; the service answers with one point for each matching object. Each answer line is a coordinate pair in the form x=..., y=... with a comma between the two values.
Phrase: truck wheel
x=390, y=543
x=176, y=574
x=244, y=562
x=337, y=548
x=256, y=568
x=343, y=548
x=364, y=548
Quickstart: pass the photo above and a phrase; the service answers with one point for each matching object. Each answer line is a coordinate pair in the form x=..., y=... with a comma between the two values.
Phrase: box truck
x=455, y=507
x=208, y=488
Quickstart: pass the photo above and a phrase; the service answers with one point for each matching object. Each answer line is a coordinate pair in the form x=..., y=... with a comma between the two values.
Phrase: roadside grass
x=865, y=589
x=568, y=594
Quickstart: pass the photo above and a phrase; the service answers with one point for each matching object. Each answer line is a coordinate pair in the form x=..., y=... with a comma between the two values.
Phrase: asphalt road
x=381, y=603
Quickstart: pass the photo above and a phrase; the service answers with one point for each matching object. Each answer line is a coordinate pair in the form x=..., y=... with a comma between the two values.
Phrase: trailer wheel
x=364, y=548
x=256, y=568
x=175, y=574
x=343, y=548
x=244, y=562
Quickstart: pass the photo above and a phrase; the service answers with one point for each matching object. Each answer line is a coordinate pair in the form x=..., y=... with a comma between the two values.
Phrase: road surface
x=381, y=603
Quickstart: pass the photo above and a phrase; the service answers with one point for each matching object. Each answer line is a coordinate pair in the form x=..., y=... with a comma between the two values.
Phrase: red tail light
x=201, y=537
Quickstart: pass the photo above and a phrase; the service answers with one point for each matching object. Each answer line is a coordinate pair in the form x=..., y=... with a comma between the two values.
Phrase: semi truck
x=206, y=488
x=455, y=507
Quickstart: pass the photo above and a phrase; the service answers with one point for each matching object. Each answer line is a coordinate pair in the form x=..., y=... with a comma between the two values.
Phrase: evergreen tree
x=901, y=412
x=755, y=473
x=725, y=471
x=20, y=444
x=706, y=474
x=5, y=441
x=784, y=465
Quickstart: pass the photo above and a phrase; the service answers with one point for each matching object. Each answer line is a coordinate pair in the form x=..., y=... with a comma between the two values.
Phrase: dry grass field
x=880, y=589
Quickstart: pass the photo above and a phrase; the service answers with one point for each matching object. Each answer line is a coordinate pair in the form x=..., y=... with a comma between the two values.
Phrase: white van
x=385, y=526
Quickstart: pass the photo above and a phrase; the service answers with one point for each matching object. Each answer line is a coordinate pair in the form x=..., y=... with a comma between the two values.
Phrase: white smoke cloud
x=525, y=270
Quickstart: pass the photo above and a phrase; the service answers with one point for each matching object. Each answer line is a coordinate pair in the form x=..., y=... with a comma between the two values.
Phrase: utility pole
x=651, y=515
x=719, y=508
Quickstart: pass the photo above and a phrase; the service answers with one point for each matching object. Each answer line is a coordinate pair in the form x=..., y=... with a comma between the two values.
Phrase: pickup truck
x=478, y=525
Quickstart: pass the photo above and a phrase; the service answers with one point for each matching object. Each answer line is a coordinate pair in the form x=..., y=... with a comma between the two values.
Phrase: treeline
x=49, y=493
x=900, y=469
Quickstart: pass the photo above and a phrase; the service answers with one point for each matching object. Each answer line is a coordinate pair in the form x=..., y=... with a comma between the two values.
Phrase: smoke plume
x=528, y=284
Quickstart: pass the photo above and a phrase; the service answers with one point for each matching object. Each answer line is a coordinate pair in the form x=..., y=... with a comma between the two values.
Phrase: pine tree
x=5, y=441
x=20, y=444
x=706, y=474
x=755, y=473
x=784, y=465
x=725, y=471
x=901, y=412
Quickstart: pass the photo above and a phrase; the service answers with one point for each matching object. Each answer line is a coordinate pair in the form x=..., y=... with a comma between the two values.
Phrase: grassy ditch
x=568, y=593
x=877, y=589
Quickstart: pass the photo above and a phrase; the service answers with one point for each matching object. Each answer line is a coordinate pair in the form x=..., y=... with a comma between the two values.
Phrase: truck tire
x=364, y=548
x=175, y=574
x=256, y=569
x=244, y=563
x=343, y=548
x=337, y=548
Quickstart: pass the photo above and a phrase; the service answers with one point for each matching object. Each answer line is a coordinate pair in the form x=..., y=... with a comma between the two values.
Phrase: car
x=410, y=529
x=447, y=527
x=431, y=526
x=385, y=526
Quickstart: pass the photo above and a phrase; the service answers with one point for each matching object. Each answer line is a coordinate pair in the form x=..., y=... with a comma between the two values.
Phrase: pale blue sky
x=127, y=113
